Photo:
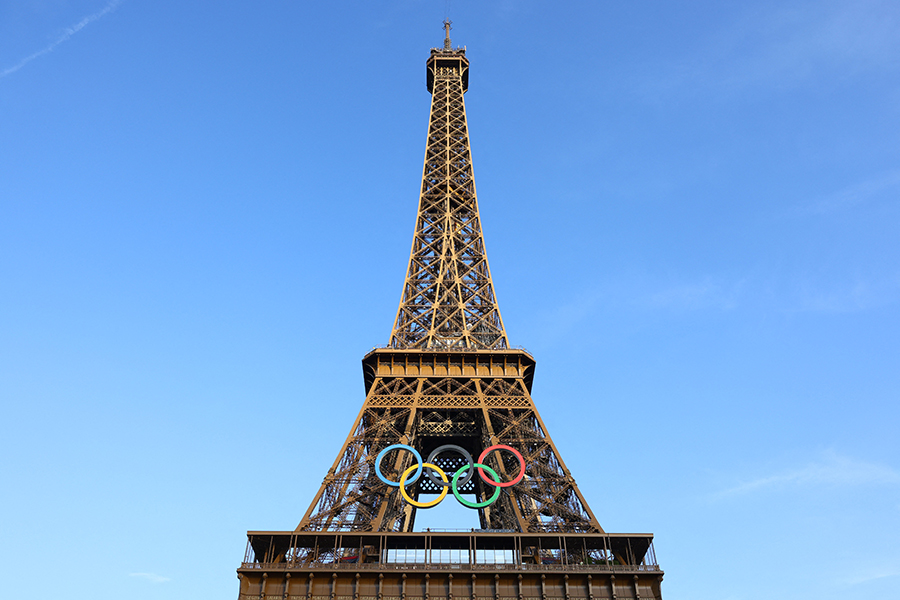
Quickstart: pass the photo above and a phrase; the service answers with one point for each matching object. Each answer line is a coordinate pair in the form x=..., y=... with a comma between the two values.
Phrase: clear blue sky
x=691, y=211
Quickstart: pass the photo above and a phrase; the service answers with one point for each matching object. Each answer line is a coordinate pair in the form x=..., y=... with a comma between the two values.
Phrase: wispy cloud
x=831, y=470
x=788, y=45
x=708, y=295
x=64, y=37
x=809, y=38
x=862, y=294
x=151, y=577
x=803, y=295
x=884, y=185
x=869, y=573
x=704, y=294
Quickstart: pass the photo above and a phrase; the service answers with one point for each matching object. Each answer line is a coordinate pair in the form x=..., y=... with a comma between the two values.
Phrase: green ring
x=464, y=502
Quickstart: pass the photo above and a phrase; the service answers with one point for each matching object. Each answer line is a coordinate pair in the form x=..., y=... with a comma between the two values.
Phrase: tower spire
x=447, y=46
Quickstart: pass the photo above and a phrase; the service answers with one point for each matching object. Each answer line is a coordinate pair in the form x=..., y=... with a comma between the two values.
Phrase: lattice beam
x=424, y=412
x=448, y=297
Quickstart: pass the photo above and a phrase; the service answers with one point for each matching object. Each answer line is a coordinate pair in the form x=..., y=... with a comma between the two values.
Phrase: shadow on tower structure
x=446, y=389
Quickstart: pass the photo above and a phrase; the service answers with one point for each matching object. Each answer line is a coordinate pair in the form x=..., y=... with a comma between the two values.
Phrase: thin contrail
x=66, y=34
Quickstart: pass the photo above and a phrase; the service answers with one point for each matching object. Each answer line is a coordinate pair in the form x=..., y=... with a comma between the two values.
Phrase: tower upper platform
x=448, y=61
x=444, y=62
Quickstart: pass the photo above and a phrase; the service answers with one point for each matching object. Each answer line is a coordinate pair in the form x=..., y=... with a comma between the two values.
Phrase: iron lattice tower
x=448, y=297
x=448, y=376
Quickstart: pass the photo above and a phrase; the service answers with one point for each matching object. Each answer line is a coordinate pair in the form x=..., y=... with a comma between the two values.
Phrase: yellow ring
x=422, y=504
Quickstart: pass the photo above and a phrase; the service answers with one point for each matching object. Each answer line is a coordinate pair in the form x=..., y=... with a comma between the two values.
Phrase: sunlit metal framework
x=448, y=566
x=448, y=376
x=428, y=398
x=448, y=296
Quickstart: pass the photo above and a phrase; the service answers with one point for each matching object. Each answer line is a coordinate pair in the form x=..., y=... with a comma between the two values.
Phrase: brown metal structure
x=448, y=297
x=448, y=376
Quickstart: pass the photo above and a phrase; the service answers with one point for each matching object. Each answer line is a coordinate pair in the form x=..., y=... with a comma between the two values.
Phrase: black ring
x=433, y=477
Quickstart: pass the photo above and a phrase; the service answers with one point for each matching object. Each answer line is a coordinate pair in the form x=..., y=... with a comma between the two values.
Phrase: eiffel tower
x=448, y=387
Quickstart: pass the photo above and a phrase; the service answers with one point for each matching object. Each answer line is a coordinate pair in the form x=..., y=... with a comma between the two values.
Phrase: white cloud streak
x=705, y=294
x=710, y=295
x=885, y=185
x=870, y=573
x=64, y=37
x=833, y=470
x=151, y=577
x=787, y=46
x=811, y=38
x=858, y=296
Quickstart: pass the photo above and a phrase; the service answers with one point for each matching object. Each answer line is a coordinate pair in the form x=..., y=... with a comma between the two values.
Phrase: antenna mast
x=447, y=46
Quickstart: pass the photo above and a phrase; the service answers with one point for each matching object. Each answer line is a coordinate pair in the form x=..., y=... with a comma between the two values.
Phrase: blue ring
x=398, y=447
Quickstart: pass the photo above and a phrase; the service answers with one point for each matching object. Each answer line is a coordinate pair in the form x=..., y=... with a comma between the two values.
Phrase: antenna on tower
x=447, y=46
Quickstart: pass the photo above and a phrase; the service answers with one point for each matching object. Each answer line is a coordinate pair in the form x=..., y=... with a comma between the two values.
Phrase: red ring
x=517, y=455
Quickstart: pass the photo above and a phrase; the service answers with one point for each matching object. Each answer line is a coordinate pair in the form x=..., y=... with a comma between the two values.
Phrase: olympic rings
x=397, y=447
x=442, y=495
x=465, y=502
x=440, y=479
x=497, y=479
x=434, y=453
